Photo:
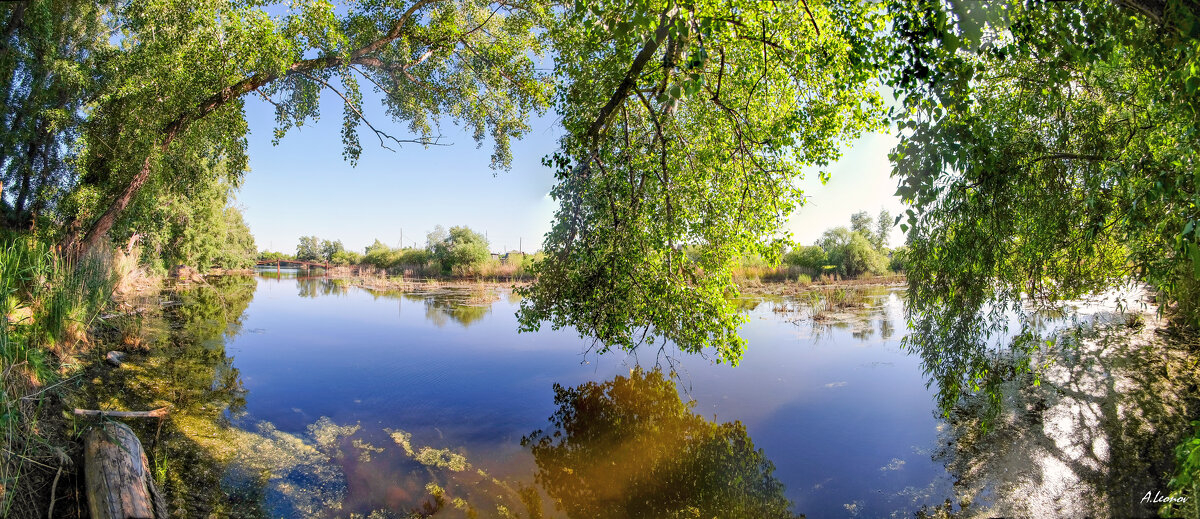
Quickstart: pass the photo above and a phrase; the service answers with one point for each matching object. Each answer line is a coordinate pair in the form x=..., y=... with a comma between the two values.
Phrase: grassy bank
x=49, y=304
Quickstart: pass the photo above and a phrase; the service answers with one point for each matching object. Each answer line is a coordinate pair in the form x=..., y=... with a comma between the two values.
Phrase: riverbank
x=376, y=279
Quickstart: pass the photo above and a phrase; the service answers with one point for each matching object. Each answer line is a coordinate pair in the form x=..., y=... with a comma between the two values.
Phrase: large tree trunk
x=74, y=247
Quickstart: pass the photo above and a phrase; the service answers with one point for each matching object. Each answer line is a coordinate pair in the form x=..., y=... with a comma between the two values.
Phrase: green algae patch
x=403, y=439
x=442, y=458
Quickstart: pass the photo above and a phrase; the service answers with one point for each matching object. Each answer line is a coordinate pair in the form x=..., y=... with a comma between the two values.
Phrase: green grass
x=48, y=305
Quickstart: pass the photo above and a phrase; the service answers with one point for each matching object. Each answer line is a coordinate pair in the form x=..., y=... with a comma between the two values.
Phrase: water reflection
x=189, y=371
x=464, y=309
x=316, y=286
x=426, y=421
x=631, y=448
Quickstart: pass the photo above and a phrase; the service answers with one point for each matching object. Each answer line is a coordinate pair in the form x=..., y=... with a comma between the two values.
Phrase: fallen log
x=156, y=413
x=117, y=474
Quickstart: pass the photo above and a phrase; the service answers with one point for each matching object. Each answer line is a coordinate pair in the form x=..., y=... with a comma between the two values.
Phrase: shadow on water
x=187, y=369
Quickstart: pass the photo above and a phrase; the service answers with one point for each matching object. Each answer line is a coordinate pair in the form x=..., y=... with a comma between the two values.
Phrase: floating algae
x=442, y=458
x=403, y=439
x=365, y=450
x=299, y=476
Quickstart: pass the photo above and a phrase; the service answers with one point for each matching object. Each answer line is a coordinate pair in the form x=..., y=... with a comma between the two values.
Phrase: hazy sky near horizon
x=304, y=187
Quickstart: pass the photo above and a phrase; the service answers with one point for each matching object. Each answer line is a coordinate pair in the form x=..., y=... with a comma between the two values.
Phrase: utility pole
x=520, y=246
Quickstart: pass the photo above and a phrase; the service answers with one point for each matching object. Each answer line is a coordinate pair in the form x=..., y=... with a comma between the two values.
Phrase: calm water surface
x=840, y=410
x=299, y=397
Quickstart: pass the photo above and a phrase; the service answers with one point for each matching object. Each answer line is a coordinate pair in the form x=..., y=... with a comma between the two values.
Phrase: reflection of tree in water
x=631, y=448
x=441, y=308
x=319, y=286
x=1088, y=440
x=189, y=371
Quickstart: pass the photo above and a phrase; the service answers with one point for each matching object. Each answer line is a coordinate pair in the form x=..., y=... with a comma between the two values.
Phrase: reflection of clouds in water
x=895, y=464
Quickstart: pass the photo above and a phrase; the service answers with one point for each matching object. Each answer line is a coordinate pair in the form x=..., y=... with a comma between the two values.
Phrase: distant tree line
x=458, y=251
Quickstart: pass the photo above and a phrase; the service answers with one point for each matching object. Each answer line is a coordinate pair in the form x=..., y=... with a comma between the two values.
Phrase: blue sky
x=303, y=186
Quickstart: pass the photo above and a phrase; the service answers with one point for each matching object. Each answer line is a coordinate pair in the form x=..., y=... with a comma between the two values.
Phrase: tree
x=331, y=248
x=171, y=91
x=811, y=257
x=346, y=257
x=309, y=249
x=883, y=229
x=1049, y=151
x=379, y=255
x=861, y=223
x=686, y=124
x=459, y=251
x=48, y=50
x=861, y=257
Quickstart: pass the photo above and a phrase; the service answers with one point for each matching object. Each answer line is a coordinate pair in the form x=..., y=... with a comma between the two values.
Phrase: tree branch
x=635, y=70
x=378, y=133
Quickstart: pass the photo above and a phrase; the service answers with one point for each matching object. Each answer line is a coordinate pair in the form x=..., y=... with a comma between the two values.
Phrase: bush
x=346, y=257
x=899, y=260
x=809, y=257
x=860, y=257
x=460, y=251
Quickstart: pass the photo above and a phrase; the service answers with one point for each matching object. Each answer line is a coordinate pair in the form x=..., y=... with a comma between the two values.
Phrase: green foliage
x=345, y=257
x=330, y=249
x=459, y=251
x=1049, y=150
x=198, y=227
x=631, y=448
x=861, y=223
x=834, y=242
x=883, y=229
x=899, y=259
x=112, y=108
x=309, y=249
x=1185, y=485
x=810, y=257
x=687, y=124
x=860, y=257
x=50, y=51
x=379, y=255
x=47, y=305
x=274, y=256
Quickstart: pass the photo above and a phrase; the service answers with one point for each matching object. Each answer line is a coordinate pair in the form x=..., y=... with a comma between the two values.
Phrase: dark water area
x=300, y=396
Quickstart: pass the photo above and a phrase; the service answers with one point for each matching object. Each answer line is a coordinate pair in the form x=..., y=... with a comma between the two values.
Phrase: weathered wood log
x=117, y=474
x=155, y=413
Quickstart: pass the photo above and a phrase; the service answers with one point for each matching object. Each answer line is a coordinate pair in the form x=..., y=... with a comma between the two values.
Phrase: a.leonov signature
x=1157, y=497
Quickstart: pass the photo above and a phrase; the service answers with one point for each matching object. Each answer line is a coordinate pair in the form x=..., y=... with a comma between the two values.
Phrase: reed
x=48, y=304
